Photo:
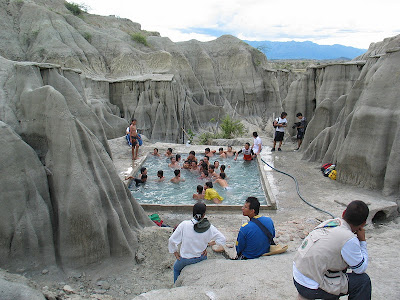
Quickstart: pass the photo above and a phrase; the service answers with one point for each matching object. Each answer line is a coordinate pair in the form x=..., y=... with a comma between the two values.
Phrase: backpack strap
x=265, y=230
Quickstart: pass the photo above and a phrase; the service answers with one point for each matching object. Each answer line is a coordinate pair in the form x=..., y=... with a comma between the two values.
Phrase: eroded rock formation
x=356, y=119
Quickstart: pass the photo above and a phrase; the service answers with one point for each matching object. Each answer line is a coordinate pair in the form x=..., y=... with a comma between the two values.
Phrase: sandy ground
x=151, y=270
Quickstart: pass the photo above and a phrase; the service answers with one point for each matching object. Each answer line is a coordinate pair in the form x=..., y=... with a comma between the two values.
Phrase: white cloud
x=353, y=23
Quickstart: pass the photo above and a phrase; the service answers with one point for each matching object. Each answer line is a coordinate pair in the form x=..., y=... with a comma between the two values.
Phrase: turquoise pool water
x=243, y=178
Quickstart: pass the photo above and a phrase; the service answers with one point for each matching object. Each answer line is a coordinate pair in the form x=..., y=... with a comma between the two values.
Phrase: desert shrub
x=75, y=9
x=140, y=38
x=231, y=128
x=87, y=36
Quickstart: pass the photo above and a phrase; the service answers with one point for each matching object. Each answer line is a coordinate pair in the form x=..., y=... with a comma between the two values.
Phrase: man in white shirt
x=257, y=143
x=321, y=261
x=279, y=125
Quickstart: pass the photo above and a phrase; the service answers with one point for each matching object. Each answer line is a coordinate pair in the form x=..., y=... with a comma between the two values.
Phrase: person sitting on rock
x=211, y=194
x=177, y=177
x=252, y=242
x=193, y=237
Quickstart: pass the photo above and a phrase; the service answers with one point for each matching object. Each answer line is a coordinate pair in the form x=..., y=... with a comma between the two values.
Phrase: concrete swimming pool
x=245, y=179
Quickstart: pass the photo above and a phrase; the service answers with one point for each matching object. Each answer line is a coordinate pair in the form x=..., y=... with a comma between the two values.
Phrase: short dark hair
x=248, y=144
x=209, y=184
x=212, y=167
x=133, y=120
x=222, y=167
x=199, y=209
x=144, y=177
x=156, y=149
x=255, y=134
x=192, y=152
x=207, y=158
x=177, y=172
x=356, y=213
x=221, y=149
x=283, y=114
x=254, y=204
x=204, y=166
x=160, y=172
x=207, y=149
x=299, y=114
x=205, y=171
x=142, y=169
x=169, y=149
x=222, y=175
x=177, y=156
x=199, y=189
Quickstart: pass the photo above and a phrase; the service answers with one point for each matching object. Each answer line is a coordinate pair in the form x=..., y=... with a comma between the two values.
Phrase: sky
x=347, y=22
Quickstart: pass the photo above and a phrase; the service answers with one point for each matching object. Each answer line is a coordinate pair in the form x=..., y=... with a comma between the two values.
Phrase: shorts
x=134, y=142
x=300, y=135
x=279, y=136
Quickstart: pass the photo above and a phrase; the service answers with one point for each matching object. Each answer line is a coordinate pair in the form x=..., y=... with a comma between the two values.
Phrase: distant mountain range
x=305, y=50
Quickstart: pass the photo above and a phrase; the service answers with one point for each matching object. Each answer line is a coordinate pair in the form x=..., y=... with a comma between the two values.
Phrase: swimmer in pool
x=200, y=194
x=204, y=174
x=221, y=153
x=155, y=152
x=211, y=194
x=208, y=152
x=211, y=172
x=174, y=164
x=186, y=165
x=216, y=164
x=143, y=171
x=230, y=152
x=168, y=153
x=160, y=175
x=177, y=177
x=222, y=181
x=206, y=159
x=194, y=166
x=192, y=156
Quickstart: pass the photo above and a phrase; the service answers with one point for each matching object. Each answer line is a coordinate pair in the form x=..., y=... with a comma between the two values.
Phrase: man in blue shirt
x=252, y=242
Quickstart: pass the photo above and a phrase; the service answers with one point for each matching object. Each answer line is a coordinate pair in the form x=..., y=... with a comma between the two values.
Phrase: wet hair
x=229, y=146
x=255, y=134
x=160, y=172
x=299, y=114
x=207, y=158
x=221, y=149
x=177, y=157
x=142, y=170
x=187, y=162
x=222, y=175
x=169, y=149
x=209, y=184
x=205, y=171
x=254, y=204
x=199, y=189
x=204, y=166
x=172, y=158
x=156, y=149
x=177, y=172
x=216, y=162
x=207, y=149
x=144, y=177
x=212, y=167
x=199, y=209
x=222, y=167
x=356, y=213
x=283, y=114
x=248, y=144
x=192, y=152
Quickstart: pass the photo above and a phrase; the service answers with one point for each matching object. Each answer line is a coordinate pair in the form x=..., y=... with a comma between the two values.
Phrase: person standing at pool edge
x=134, y=139
x=279, y=125
x=257, y=144
x=193, y=236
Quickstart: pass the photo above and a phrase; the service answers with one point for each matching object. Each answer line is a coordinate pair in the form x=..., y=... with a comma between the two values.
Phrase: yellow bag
x=332, y=175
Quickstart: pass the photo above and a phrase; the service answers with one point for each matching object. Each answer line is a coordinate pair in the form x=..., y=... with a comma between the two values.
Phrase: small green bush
x=87, y=36
x=76, y=9
x=205, y=138
x=140, y=38
x=230, y=128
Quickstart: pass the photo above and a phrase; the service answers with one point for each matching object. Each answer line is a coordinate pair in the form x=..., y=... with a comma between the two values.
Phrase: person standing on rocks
x=134, y=139
x=301, y=129
x=320, y=264
x=279, y=125
x=252, y=242
x=193, y=237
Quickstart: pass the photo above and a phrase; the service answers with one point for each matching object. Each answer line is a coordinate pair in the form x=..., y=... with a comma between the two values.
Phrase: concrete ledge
x=210, y=207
